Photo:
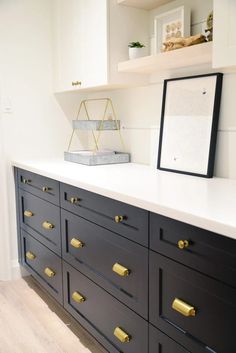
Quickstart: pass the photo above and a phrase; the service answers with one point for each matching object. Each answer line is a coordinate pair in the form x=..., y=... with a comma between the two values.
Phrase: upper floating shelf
x=144, y=4
x=200, y=54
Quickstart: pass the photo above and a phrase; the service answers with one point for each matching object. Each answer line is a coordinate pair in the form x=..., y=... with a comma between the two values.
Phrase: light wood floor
x=32, y=322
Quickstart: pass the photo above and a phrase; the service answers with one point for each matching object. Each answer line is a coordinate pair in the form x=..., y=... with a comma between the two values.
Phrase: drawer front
x=97, y=252
x=160, y=343
x=213, y=325
x=42, y=220
x=43, y=264
x=47, y=189
x=202, y=250
x=102, y=314
x=128, y=221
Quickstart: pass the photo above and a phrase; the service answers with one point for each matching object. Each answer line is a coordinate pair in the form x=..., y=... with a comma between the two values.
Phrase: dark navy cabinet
x=139, y=282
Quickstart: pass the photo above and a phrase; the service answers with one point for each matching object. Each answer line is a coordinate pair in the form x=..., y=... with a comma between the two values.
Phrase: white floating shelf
x=200, y=54
x=144, y=4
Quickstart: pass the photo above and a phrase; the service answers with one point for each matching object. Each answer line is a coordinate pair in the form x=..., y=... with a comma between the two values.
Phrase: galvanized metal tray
x=96, y=124
x=91, y=160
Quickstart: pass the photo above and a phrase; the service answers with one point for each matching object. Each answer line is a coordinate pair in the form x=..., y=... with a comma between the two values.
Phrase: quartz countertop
x=205, y=203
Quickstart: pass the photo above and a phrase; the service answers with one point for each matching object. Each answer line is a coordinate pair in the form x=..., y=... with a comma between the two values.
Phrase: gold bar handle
x=47, y=225
x=78, y=298
x=183, y=244
x=26, y=181
x=120, y=270
x=183, y=308
x=119, y=219
x=76, y=243
x=30, y=255
x=121, y=335
x=50, y=273
x=74, y=200
x=45, y=188
x=28, y=213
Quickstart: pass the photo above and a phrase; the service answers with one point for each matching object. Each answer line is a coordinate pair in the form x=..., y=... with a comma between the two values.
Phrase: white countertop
x=206, y=203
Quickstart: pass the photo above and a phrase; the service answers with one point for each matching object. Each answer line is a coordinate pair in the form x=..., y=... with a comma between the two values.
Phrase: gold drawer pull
x=183, y=244
x=50, y=273
x=120, y=270
x=78, y=298
x=122, y=335
x=30, y=255
x=45, y=188
x=76, y=243
x=47, y=225
x=26, y=181
x=119, y=219
x=183, y=308
x=28, y=213
x=76, y=83
x=74, y=200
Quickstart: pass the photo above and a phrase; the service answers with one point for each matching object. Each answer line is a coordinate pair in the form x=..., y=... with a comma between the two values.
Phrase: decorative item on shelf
x=97, y=156
x=209, y=29
x=136, y=50
x=171, y=25
x=178, y=43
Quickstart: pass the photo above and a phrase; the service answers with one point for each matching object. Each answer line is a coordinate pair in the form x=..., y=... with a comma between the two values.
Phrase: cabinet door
x=224, y=44
x=80, y=43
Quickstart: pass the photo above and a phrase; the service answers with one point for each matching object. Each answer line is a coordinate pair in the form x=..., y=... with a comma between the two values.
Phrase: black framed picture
x=189, y=124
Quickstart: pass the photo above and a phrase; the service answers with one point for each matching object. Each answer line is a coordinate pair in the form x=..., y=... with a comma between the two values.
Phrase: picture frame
x=189, y=124
x=173, y=23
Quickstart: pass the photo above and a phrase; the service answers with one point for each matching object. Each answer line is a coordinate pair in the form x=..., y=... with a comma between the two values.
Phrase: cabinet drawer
x=102, y=314
x=43, y=264
x=128, y=221
x=214, y=323
x=94, y=251
x=47, y=189
x=160, y=343
x=41, y=219
x=203, y=251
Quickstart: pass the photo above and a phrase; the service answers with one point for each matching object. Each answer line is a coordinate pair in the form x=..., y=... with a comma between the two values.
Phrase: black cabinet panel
x=97, y=250
x=104, y=211
x=160, y=343
x=43, y=264
x=41, y=219
x=206, y=252
x=214, y=324
x=102, y=314
x=46, y=188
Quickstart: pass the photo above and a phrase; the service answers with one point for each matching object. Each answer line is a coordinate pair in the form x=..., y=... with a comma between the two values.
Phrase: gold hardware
x=28, y=213
x=47, y=225
x=50, y=273
x=183, y=308
x=76, y=243
x=119, y=219
x=30, y=255
x=76, y=83
x=121, y=335
x=120, y=270
x=26, y=181
x=183, y=244
x=45, y=189
x=78, y=298
x=74, y=200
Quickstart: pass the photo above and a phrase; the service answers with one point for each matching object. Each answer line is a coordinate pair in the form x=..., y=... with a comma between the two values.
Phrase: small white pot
x=135, y=53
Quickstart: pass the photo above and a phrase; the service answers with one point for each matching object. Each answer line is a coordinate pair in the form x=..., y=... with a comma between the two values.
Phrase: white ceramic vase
x=135, y=53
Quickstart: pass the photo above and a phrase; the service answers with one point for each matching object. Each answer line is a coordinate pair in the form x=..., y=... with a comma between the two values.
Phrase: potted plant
x=136, y=50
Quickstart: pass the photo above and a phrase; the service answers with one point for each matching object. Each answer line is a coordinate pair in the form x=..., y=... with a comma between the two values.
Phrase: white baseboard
x=17, y=271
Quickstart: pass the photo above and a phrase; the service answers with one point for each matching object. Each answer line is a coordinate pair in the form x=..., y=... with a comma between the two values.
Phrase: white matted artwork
x=189, y=123
x=172, y=24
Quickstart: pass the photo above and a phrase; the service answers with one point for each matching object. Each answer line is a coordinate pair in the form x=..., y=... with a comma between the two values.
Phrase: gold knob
x=26, y=181
x=121, y=335
x=78, y=298
x=120, y=270
x=74, y=200
x=47, y=225
x=76, y=243
x=119, y=219
x=183, y=244
x=76, y=83
x=50, y=273
x=28, y=213
x=183, y=308
x=45, y=189
x=30, y=255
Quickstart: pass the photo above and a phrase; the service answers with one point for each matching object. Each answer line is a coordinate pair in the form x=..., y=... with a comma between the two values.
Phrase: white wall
x=37, y=126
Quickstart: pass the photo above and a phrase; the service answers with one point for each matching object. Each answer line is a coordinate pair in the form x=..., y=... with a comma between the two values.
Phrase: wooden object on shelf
x=178, y=43
x=144, y=4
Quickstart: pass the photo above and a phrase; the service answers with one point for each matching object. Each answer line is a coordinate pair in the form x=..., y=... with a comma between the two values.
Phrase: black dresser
x=137, y=281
